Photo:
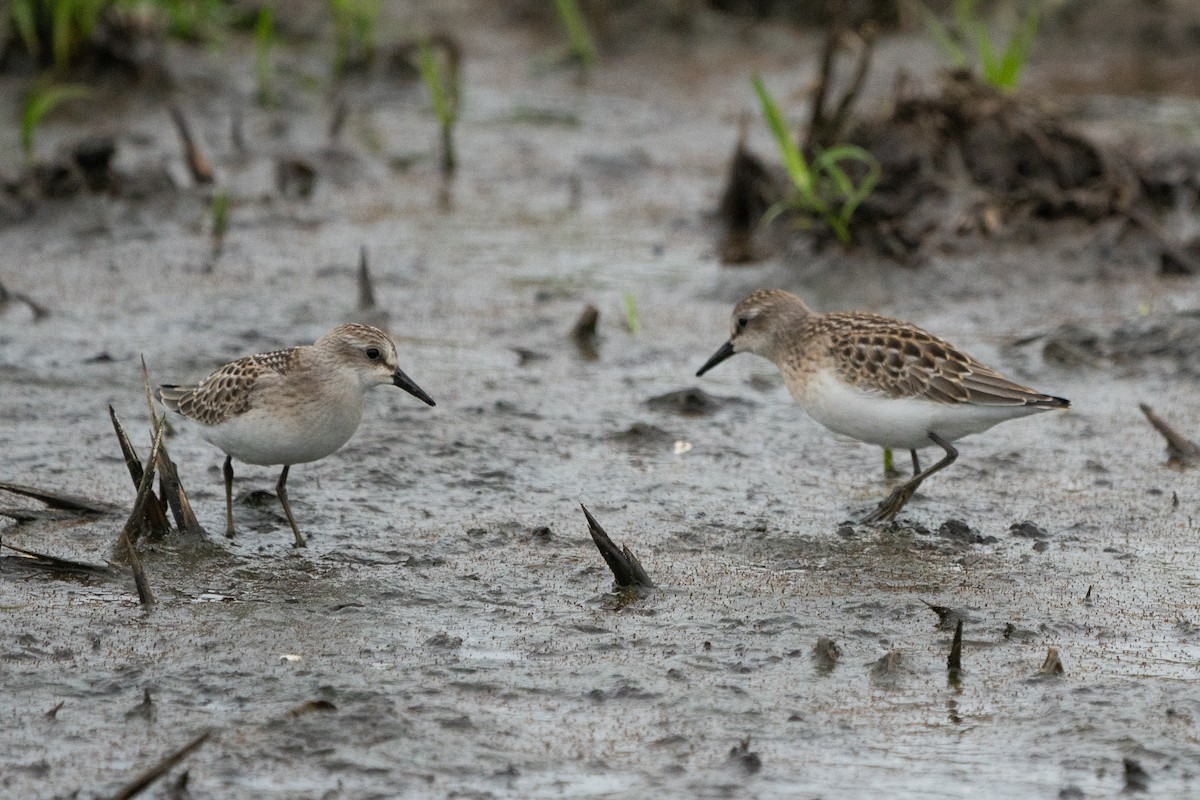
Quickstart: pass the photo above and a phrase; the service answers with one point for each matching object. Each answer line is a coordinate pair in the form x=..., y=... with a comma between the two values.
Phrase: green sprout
x=1001, y=70
x=354, y=24
x=24, y=19
x=71, y=23
x=631, y=314
x=444, y=94
x=195, y=20
x=822, y=188
x=219, y=209
x=579, y=40
x=264, y=65
x=40, y=101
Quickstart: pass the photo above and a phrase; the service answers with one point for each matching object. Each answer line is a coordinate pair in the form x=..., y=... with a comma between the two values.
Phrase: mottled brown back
x=228, y=391
x=896, y=358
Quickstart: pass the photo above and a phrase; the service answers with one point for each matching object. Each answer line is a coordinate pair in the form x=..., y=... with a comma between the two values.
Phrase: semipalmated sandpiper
x=878, y=380
x=290, y=406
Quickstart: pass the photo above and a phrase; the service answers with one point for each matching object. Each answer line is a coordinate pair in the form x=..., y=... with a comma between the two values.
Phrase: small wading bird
x=290, y=406
x=878, y=380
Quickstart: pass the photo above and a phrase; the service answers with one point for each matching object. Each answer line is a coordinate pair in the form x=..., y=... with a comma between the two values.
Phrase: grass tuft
x=822, y=188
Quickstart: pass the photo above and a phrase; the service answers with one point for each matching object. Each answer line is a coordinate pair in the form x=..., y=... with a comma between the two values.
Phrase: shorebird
x=878, y=380
x=290, y=406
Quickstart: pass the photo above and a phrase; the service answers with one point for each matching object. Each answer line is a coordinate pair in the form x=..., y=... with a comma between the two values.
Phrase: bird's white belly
x=897, y=423
x=257, y=437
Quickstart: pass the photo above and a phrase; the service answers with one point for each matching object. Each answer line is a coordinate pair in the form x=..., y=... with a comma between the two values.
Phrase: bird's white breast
x=290, y=427
x=898, y=423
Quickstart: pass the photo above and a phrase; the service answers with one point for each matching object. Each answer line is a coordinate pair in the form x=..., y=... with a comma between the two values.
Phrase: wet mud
x=451, y=629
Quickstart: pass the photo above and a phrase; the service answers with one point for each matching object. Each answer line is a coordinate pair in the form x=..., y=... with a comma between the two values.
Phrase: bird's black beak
x=725, y=352
x=409, y=385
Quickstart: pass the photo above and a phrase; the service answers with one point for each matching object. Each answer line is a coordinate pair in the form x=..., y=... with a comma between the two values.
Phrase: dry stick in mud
x=954, y=661
x=340, y=112
x=750, y=191
x=1173, y=257
x=626, y=569
x=366, y=292
x=63, y=502
x=156, y=518
x=583, y=333
x=1180, y=449
x=148, y=777
x=6, y=297
x=126, y=537
x=170, y=487
x=1052, y=666
x=202, y=171
x=826, y=130
x=56, y=564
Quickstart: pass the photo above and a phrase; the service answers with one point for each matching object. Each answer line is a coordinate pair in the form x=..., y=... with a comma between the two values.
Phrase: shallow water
x=458, y=652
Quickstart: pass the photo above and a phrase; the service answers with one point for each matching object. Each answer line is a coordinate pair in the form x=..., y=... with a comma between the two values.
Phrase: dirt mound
x=968, y=160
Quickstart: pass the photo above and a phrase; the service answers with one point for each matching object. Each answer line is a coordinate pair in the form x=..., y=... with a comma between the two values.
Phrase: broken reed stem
x=1180, y=449
x=626, y=569
x=156, y=518
x=201, y=170
x=954, y=662
x=835, y=128
x=148, y=777
x=366, y=292
x=825, y=130
x=139, y=510
x=64, y=502
x=340, y=112
x=816, y=121
x=1052, y=666
x=170, y=487
x=39, y=311
x=237, y=136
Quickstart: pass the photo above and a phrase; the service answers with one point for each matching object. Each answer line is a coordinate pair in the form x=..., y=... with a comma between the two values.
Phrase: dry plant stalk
x=198, y=164
x=1181, y=451
x=954, y=661
x=139, y=784
x=169, y=484
x=626, y=569
x=156, y=518
x=366, y=291
x=826, y=129
x=126, y=538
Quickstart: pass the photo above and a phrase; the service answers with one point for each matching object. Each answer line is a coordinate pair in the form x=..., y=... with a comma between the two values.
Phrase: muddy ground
x=449, y=631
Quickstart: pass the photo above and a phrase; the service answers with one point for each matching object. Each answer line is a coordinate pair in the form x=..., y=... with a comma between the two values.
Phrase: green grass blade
x=941, y=35
x=24, y=16
x=861, y=191
x=793, y=159
x=264, y=43
x=1017, y=53
x=579, y=39
x=631, y=314
x=39, y=103
x=431, y=74
x=60, y=34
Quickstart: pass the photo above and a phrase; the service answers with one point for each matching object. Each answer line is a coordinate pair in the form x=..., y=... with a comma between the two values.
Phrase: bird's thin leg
x=281, y=490
x=916, y=463
x=891, y=506
x=229, y=496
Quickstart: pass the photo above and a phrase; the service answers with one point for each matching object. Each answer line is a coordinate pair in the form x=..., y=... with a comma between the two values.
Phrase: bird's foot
x=891, y=506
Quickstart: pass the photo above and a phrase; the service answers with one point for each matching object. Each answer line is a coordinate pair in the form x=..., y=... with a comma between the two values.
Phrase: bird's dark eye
x=373, y=353
x=742, y=322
